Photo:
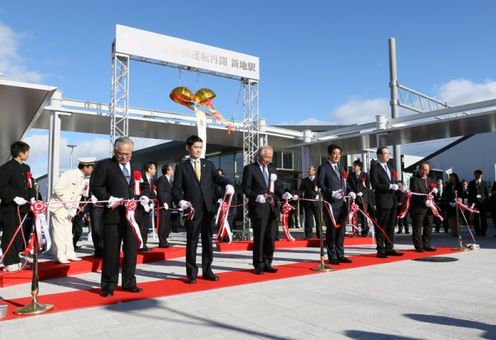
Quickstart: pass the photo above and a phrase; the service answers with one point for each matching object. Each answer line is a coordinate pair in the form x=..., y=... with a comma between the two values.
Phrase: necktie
x=387, y=171
x=266, y=175
x=335, y=167
x=197, y=169
x=125, y=171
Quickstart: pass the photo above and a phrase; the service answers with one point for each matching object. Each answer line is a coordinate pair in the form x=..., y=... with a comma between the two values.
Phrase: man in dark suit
x=194, y=182
x=309, y=189
x=360, y=184
x=146, y=223
x=261, y=186
x=16, y=190
x=164, y=195
x=334, y=186
x=478, y=194
x=383, y=180
x=419, y=209
x=113, y=182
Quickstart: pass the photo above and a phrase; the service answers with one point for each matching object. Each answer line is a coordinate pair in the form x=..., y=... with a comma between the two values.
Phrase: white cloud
x=360, y=111
x=463, y=91
x=11, y=63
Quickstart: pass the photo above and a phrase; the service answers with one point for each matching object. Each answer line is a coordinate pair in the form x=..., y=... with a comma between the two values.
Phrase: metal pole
x=71, y=147
x=393, y=85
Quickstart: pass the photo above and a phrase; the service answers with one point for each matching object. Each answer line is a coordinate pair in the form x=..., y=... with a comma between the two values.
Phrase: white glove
x=144, y=200
x=72, y=212
x=295, y=197
x=20, y=201
x=260, y=199
x=94, y=199
x=394, y=187
x=337, y=194
x=352, y=195
x=113, y=201
x=184, y=204
x=287, y=196
x=166, y=206
x=317, y=197
x=452, y=204
x=360, y=194
x=219, y=200
x=428, y=203
x=152, y=205
x=435, y=191
x=229, y=189
x=71, y=208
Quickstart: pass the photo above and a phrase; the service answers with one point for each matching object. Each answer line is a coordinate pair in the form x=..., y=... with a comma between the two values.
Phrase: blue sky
x=320, y=61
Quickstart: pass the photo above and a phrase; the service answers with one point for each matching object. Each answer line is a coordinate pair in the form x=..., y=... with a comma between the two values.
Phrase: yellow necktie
x=197, y=169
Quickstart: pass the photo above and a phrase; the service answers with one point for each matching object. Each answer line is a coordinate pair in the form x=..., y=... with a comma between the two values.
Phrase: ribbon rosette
x=131, y=218
x=41, y=227
x=137, y=180
x=394, y=174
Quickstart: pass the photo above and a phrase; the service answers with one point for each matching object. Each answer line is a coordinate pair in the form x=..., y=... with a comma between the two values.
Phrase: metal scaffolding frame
x=251, y=141
x=119, y=104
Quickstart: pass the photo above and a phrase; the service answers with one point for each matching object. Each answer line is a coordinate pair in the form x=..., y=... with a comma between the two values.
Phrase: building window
x=284, y=160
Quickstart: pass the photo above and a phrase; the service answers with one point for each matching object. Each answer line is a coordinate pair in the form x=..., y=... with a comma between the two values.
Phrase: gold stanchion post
x=34, y=307
x=322, y=267
x=460, y=247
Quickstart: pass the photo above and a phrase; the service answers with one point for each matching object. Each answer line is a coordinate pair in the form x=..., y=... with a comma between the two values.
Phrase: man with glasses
x=64, y=205
x=384, y=183
x=112, y=182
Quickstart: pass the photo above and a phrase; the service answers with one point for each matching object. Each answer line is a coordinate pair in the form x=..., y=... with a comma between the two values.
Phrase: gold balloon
x=202, y=96
x=181, y=95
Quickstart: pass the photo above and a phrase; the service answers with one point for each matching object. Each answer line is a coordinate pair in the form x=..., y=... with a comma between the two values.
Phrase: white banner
x=144, y=44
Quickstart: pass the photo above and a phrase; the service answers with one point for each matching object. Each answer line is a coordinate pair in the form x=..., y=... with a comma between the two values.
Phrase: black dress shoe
x=344, y=259
x=211, y=277
x=270, y=269
x=132, y=289
x=419, y=250
x=259, y=270
x=334, y=261
x=166, y=244
x=107, y=292
x=429, y=249
x=393, y=252
x=381, y=255
x=191, y=280
x=145, y=248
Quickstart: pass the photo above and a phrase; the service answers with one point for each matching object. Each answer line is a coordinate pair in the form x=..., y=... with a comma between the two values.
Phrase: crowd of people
x=119, y=197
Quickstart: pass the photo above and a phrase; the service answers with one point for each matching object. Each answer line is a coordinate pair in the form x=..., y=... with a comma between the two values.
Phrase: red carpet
x=313, y=242
x=160, y=288
x=51, y=269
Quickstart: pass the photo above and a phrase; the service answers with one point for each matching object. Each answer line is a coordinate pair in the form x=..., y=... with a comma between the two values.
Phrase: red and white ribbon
x=221, y=219
x=431, y=205
x=29, y=176
x=406, y=205
x=286, y=208
x=137, y=180
x=41, y=226
x=131, y=218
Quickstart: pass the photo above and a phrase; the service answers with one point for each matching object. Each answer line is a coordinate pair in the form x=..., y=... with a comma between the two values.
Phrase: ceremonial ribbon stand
x=322, y=267
x=34, y=307
x=460, y=247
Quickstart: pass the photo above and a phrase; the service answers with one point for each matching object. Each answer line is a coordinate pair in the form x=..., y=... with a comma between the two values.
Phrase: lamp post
x=71, y=147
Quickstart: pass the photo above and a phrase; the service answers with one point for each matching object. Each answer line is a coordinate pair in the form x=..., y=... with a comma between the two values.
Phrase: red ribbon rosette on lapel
x=394, y=174
x=29, y=176
x=137, y=180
